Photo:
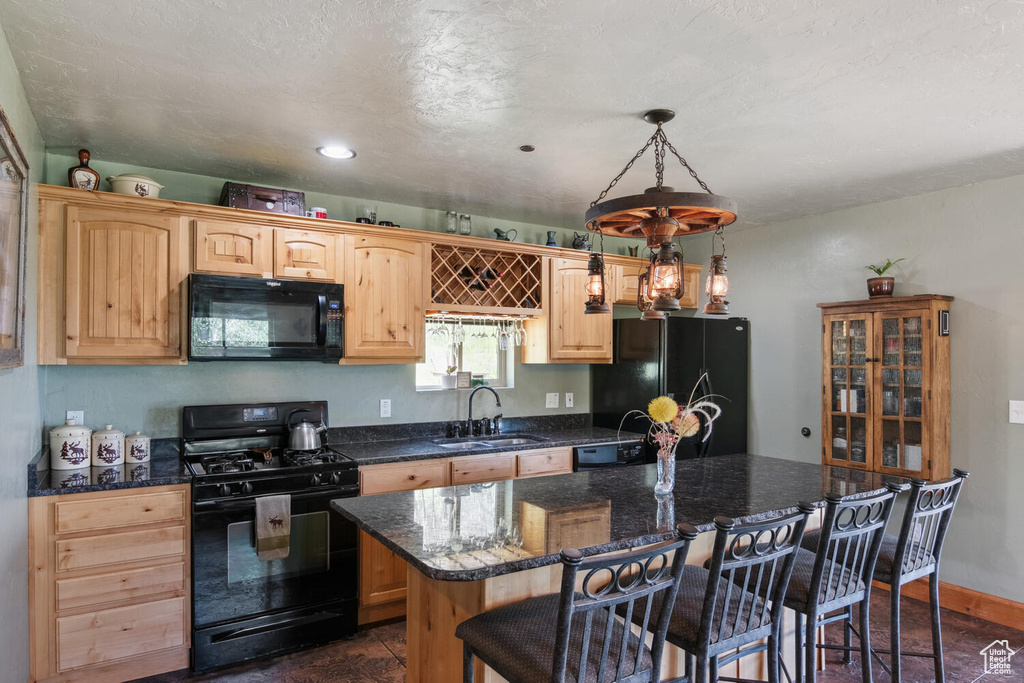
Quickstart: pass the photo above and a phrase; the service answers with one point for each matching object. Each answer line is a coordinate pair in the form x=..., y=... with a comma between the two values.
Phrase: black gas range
x=244, y=607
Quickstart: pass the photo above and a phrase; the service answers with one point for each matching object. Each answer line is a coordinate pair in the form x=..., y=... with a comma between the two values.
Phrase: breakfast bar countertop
x=480, y=531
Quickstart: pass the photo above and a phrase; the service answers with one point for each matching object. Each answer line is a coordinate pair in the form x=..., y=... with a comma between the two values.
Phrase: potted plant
x=448, y=378
x=881, y=285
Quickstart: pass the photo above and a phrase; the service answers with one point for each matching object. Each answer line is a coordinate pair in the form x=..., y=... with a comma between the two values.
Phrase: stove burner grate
x=323, y=456
x=225, y=463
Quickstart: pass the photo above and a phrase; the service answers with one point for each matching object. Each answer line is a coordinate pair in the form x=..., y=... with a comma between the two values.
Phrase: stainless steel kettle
x=305, y=435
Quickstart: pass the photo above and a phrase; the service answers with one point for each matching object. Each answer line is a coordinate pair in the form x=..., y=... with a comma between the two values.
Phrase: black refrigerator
x=669, y=357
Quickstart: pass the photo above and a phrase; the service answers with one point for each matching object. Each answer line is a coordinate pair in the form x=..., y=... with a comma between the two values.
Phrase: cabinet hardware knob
x=412, y=477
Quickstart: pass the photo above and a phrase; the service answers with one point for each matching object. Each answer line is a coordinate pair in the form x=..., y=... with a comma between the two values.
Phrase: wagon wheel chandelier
x=657, y=215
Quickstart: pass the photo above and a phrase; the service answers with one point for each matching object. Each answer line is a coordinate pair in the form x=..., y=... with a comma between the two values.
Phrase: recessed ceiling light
x=333, y=152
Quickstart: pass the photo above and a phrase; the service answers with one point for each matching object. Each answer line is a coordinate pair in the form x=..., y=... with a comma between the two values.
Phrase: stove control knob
x=246, y=487
x=335, y=478
x=314, y=480
x=225, y=490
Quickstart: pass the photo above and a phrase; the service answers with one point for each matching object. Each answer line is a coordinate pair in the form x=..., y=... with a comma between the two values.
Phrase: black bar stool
x=829, y=579
x=722, y=609
x=911, y=555
x=572, y=636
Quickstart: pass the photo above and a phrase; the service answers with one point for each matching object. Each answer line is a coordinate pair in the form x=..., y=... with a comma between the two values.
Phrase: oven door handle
x=250, y=502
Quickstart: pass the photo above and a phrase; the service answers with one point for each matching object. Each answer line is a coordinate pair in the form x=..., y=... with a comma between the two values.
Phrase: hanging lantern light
x=660, y=213
x=717, y=285
x=596, y=286
x=665, y=278
x=644, y=303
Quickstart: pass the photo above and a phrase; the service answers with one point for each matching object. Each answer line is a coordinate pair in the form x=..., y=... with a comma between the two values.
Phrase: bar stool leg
x=700, y=669
x=894, y=631
x=933, y=600
x=468, y=664
x=811, y=648
x=848, y=635
x=798, y=635
x=713, y=666
x=865, y=638
x=773, y=658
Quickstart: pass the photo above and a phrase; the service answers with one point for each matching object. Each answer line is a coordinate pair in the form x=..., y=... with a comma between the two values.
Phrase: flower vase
x=448, y=381
x=666, y=471
x=666, y=512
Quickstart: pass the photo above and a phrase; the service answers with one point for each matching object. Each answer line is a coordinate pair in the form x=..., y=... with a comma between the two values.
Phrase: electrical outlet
x=77, y=415
x=1017, y=412
x=569, y=403
x=552, y=400
x=385, y=407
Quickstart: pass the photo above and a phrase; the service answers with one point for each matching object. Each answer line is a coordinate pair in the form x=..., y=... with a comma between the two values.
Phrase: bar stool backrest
x=851, y=536
x=925, y=523
x=632, y=579
x=754, y=559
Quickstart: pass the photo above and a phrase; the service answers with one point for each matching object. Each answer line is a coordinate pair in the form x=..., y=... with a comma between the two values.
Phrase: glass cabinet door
x=900, y=442
x=848, y=342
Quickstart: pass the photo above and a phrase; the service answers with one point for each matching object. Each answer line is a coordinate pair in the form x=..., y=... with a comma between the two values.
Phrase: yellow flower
x=662, y=409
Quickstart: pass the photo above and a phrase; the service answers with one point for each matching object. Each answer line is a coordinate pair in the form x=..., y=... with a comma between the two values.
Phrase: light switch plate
x=77, y=415
x=569, y=402
x=385, y=407
x=1017, y=412
x=552, y=400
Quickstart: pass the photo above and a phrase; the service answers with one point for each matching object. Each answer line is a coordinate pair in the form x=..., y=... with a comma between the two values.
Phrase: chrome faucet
x=469, y=420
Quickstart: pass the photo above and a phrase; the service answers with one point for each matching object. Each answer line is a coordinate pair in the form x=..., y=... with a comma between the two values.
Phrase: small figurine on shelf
x=81, y=176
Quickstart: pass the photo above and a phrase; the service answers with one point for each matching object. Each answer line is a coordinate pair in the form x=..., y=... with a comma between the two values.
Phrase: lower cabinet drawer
x=111, y=634
x=116, y=511
x=112, y=548
x=474, y=470
x=402, y=476
x=545, y=461
x=132, y=584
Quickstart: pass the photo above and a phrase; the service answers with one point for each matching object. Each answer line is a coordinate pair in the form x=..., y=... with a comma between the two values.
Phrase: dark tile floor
x=378, y=655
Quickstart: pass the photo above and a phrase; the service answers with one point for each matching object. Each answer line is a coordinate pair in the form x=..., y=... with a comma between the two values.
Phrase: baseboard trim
x=992, y=608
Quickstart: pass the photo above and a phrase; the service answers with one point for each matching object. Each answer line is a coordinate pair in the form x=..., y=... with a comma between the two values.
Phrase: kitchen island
x=476, y=547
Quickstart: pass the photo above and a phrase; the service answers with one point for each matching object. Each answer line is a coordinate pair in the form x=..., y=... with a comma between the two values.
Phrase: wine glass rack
x=484, y=281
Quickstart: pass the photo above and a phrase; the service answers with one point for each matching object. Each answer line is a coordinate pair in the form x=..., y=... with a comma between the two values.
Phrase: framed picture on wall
x=13, y=235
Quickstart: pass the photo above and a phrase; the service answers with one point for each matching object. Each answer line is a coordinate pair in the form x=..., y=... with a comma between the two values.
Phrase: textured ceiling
x=790, y=108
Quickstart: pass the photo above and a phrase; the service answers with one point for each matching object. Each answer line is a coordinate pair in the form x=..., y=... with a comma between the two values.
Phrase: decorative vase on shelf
x=666, y=471
x=551, y=239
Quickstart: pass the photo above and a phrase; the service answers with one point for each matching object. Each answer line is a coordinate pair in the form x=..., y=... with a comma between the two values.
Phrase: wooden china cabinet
x=885, y=385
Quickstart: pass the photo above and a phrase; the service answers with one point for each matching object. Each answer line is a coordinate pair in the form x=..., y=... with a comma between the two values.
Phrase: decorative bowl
x=138, y=185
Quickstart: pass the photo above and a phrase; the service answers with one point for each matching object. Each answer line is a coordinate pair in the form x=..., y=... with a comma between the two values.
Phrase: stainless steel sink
x=513, y=441
x=463, y=445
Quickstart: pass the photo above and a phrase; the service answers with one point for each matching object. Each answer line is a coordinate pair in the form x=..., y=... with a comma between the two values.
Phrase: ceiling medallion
x=660, y=213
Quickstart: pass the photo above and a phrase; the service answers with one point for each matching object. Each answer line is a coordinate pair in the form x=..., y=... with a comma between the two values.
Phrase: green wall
x=20, y=409
x=149, y=399
x=965, y=242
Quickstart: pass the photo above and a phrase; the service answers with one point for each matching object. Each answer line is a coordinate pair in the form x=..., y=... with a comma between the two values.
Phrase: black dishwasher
x=599, y=456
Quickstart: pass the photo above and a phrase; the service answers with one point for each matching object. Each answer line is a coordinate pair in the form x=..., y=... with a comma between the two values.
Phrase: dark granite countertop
x=467, y=533
x=164, y=467
x=374, y=452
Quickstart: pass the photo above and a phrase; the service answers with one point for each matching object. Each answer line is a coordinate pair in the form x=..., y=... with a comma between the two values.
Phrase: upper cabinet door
x=575, y=335
x=627, y=281
x=306, y=254
x=233, y=248
x=124, y=283
x=384, y=298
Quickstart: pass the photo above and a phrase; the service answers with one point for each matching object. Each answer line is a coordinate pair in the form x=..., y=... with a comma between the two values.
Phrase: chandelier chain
x=693, y=173
x=659, y=157
x=632, y=161
x=720, y=234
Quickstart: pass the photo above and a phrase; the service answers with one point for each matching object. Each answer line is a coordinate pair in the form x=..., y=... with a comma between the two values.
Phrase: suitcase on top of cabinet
x=258, y=198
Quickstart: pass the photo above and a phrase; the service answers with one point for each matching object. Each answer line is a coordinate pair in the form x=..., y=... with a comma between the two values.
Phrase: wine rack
x=469, y=280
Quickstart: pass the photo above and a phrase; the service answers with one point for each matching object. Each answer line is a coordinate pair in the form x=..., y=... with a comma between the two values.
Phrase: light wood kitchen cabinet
x=109, y=584
x=565, y=334
x=232, y=248
x=476, y=469
x=541, y=462
x=885, y=385
x=124, y=291
x=382, y=574
x=627, y=280
x=306, y=254
x=385, y=286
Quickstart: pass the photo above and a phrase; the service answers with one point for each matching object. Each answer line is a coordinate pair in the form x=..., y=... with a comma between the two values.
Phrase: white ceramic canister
x=69, y=446
x=136, y=448
x=107, y=447
x=132, y=183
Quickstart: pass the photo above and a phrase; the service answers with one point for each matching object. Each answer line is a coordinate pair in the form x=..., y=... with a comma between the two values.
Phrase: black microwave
x=248, y=318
